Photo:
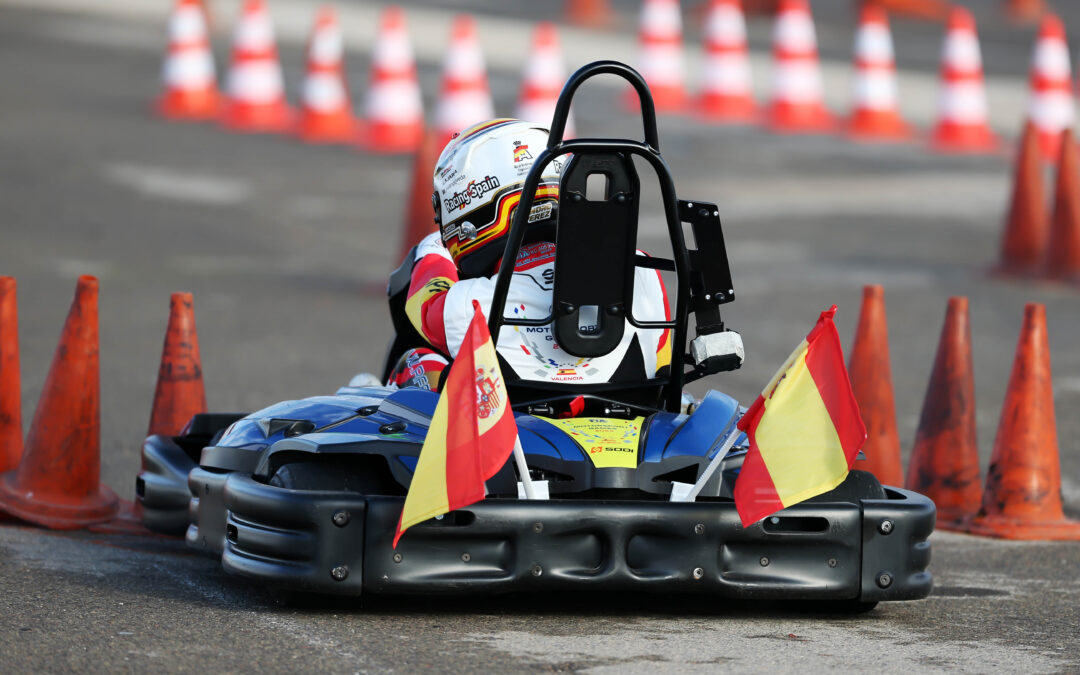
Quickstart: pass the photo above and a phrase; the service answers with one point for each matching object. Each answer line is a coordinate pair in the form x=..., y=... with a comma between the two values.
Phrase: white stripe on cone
x=963, y=103
x=186, y=25
x=395, y=100
x=876, y=90
x=254, y=33
x=257, y=82
x=1051, y=110
x=323, y=92
x=873, y=44
x=728, y=73
x=797, y=82
x=725, y=26
x=795, y=31
x=962, y=52
x=189, y=69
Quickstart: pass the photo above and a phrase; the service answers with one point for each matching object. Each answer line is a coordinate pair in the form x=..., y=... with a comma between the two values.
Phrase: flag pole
x=523, y=468
x=711, y=469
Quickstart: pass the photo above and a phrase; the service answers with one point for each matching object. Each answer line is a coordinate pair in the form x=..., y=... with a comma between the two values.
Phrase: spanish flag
x=471, y=436
x=804, y=429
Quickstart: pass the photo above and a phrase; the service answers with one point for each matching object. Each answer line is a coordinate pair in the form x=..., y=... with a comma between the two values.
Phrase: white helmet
x=478, y=181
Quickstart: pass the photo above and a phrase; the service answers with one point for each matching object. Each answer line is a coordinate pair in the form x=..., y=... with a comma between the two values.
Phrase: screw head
x=537, y=570
x=465, y=557
x=538, y=527
x=764, y=561
x=832, y=562
x=397, y=557
x=340, y=573
x=698, y=572
x=340, y=517
x=884, y=580
x=886, y=527
x=699, y=528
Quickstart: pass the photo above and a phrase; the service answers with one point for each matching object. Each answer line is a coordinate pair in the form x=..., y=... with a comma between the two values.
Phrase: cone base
x=1024, y=529
x=271, y=118
x=956, y=139
x=798, y=119
x=320, y=128
x=392, y=139
x=727, y=109
x=59, y=513
x=126, y=521
x=873, y=127
x=953, y=519
x=195, y=106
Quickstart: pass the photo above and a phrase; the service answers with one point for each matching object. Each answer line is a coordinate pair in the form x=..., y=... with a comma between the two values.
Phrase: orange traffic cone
x=420, y=215
x=589, y=13
x=190, y=83
x=1050, y=102
x=1026, y=228
x=871, y=380
x=876, y=116
x=944, y=462
x=726, y=92
x=326, y=115
x=962, y=124
x=255, y=86
x=1024, y=11
x=464, y=98
x=11, y=438
x=1022, y=499
x=1063, y=254
x=395, y=111
x=542, y=82
x=179, y=394
x=660, y=55
x=57, y=482
x=797, y=103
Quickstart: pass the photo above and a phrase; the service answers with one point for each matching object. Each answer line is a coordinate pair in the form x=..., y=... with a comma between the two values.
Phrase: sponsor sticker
x=608, y=442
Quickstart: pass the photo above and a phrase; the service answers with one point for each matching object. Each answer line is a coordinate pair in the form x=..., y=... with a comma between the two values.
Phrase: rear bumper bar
x=340, y=543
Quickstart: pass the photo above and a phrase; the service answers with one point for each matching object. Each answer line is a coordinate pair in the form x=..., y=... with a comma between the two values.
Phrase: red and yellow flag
x=804, y=430
x=471, y=436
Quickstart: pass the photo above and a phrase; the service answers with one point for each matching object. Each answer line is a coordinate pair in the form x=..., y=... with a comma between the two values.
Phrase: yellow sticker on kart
x=608, y=442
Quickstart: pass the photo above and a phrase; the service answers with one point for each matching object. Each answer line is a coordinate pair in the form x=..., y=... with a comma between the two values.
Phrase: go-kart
x=306, y=495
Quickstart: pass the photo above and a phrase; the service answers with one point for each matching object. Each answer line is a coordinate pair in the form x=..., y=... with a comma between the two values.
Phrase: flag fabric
x=471, y=436
x=804, y=429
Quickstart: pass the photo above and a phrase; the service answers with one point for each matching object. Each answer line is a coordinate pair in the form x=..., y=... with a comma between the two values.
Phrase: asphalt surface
x=287, y=247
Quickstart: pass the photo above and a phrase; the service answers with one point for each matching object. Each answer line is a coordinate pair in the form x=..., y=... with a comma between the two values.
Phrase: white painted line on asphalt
x=103, y=34
x=978, y=199
x=159, y=182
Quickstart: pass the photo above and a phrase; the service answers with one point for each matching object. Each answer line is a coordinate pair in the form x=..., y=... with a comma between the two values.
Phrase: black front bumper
x=340, y=543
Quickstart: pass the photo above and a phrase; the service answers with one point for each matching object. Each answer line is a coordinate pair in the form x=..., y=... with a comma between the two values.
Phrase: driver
x=478, y=182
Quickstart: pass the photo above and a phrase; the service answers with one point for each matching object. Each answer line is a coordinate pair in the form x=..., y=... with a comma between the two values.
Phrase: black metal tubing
x=647, y=150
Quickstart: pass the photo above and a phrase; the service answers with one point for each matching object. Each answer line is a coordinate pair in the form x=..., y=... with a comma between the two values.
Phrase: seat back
x=595, y=248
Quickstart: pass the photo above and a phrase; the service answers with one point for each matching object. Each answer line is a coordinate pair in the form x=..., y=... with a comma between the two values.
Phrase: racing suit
x=439, y=306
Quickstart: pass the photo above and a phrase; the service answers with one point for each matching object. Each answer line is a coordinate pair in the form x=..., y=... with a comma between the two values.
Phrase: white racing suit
x=440, y=307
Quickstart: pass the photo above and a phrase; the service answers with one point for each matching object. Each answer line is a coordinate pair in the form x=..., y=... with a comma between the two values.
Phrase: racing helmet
x=478, y=182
